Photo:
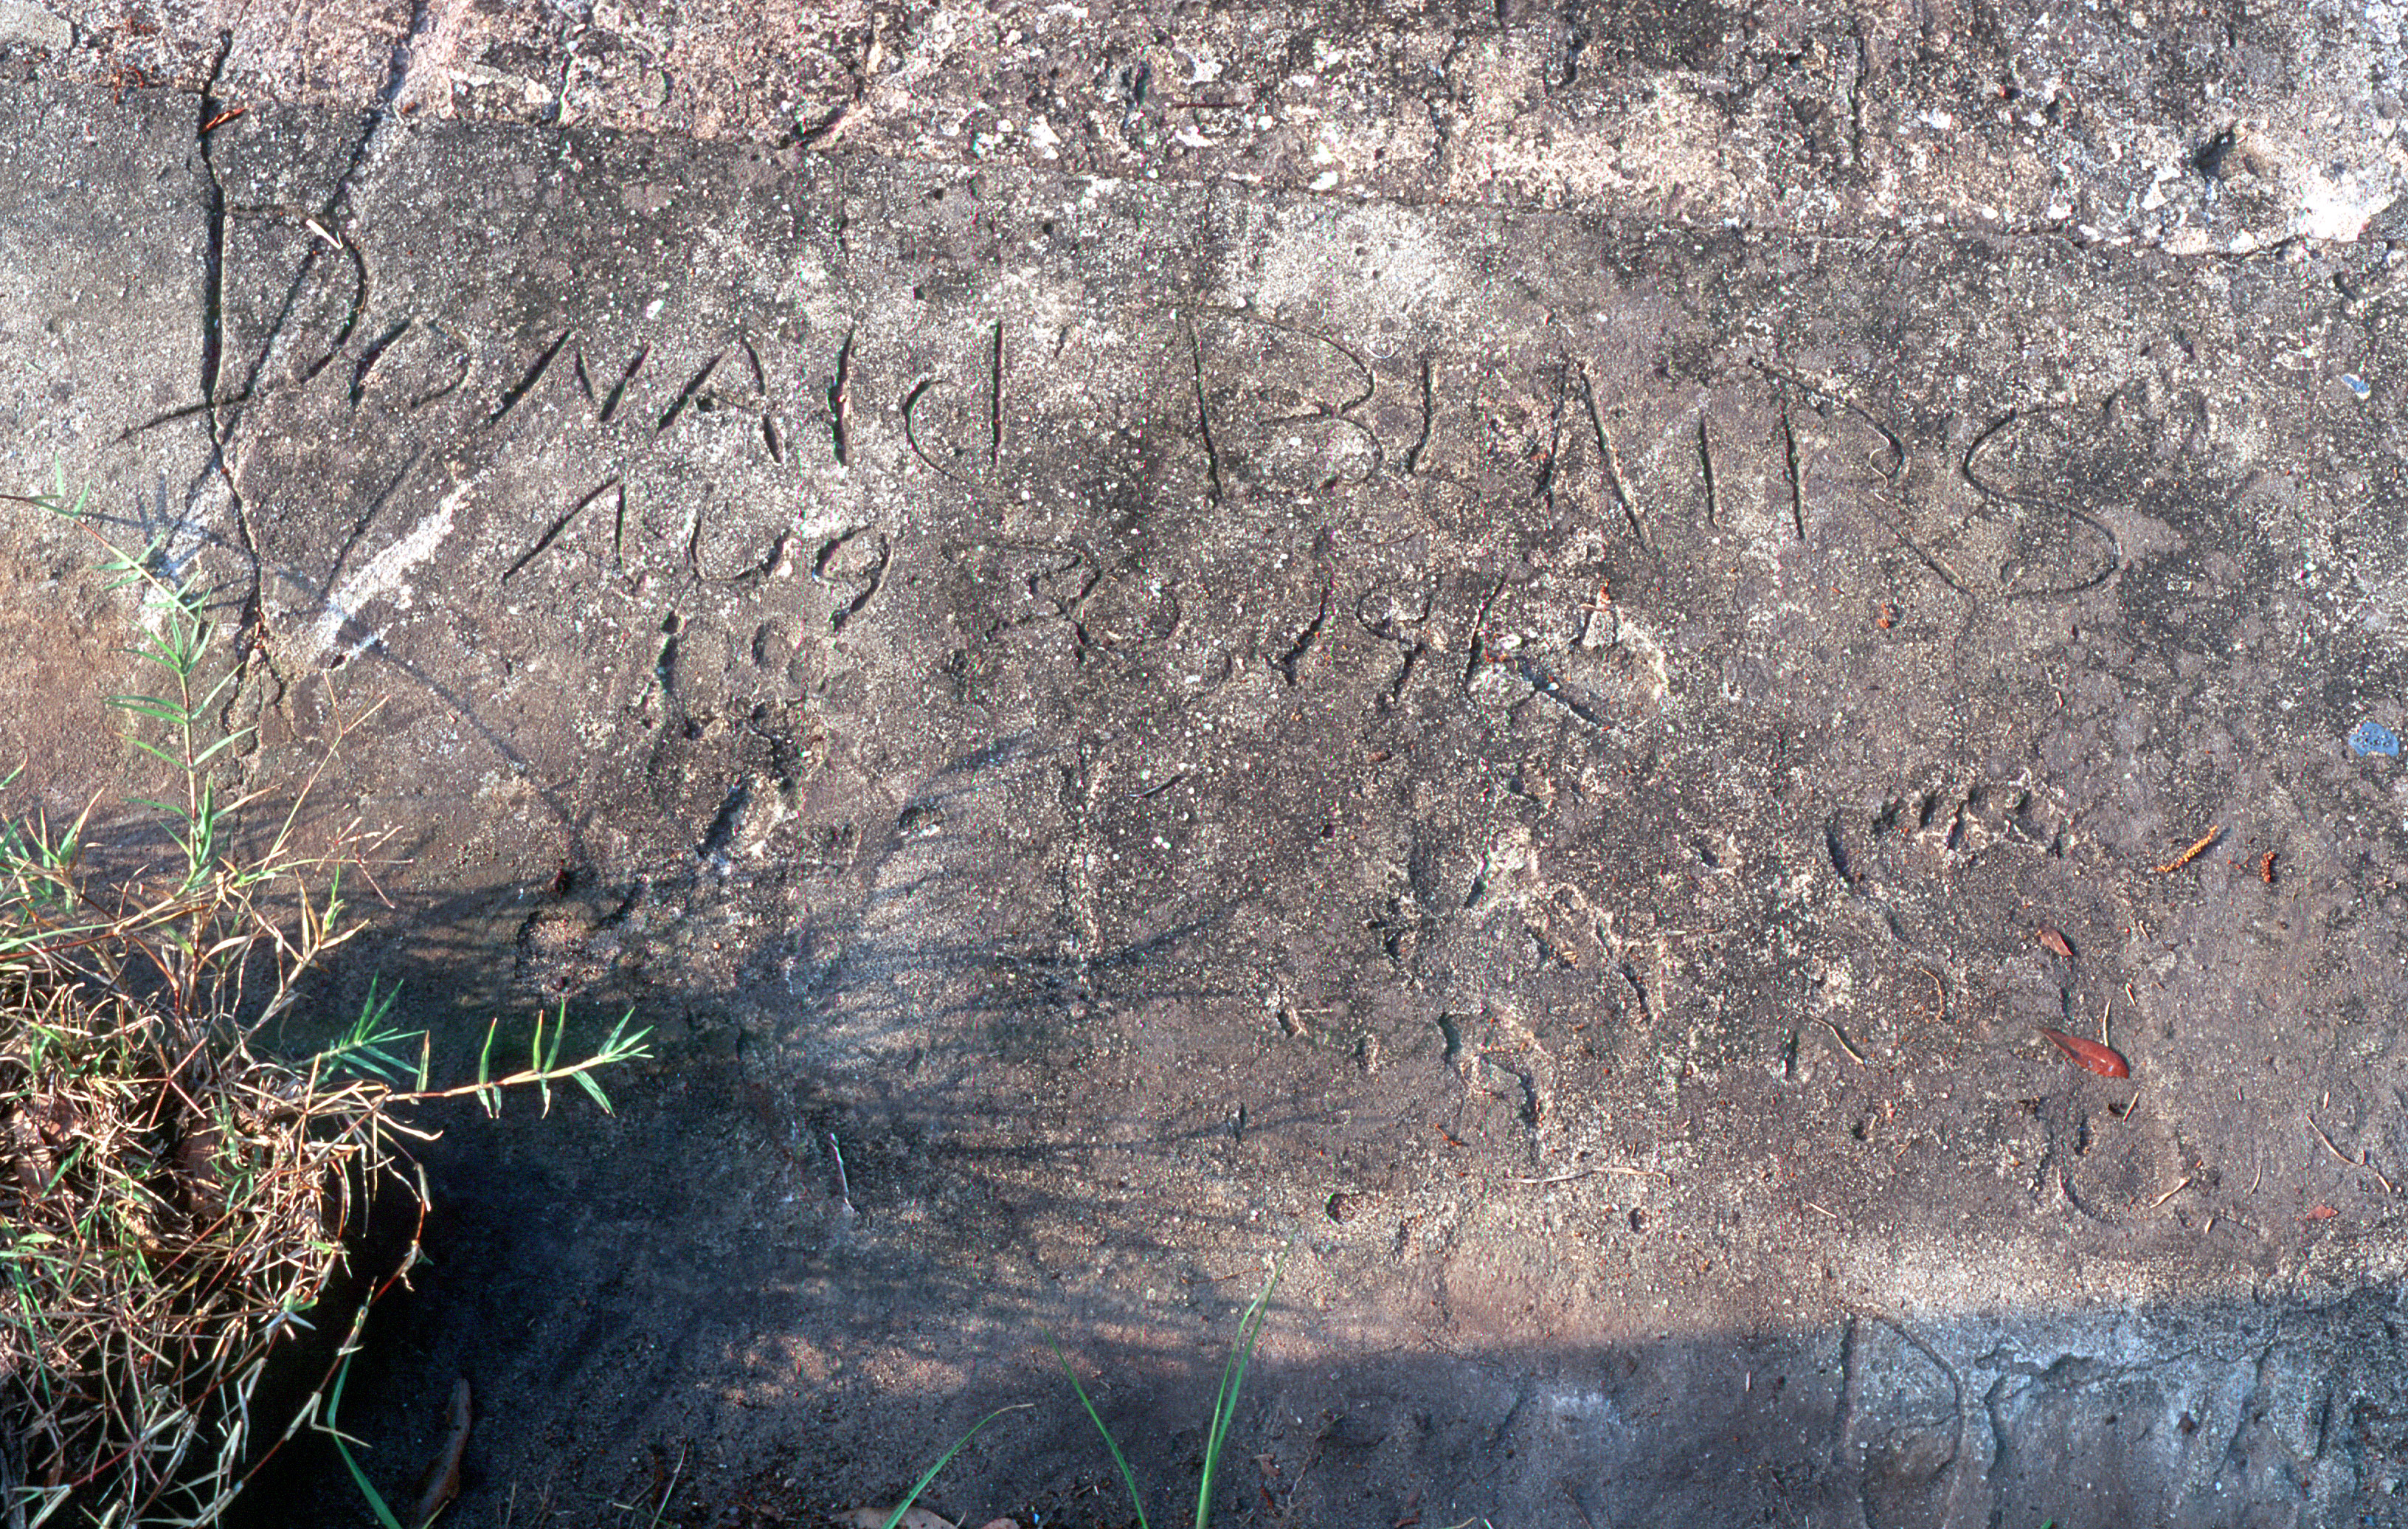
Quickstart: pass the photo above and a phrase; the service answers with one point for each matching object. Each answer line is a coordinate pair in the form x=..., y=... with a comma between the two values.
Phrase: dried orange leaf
x=2089, y=1054
x=441, y=1483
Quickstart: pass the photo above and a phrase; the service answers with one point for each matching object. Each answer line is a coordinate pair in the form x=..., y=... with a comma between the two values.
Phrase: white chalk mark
x=382, y=575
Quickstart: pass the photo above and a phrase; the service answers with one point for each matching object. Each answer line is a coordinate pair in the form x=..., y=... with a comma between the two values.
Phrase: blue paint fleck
x=2357, y=384
x=2373, y=738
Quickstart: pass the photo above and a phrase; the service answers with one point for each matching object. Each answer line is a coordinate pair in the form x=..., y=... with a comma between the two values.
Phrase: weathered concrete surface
x=1529, y=747
x=2223, y=126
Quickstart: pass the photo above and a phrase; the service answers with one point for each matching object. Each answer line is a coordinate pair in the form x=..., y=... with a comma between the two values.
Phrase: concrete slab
x=2222, y=127
x=1561, y=760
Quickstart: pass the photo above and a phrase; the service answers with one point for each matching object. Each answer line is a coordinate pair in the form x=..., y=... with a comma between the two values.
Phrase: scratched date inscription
x=823, y=479
x=789, y=452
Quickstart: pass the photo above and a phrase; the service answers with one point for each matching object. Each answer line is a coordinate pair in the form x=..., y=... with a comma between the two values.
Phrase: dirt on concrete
x=2222, y=127
x=1555, y=754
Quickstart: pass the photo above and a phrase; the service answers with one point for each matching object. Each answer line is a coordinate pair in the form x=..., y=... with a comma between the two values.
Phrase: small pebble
x=2373, y=738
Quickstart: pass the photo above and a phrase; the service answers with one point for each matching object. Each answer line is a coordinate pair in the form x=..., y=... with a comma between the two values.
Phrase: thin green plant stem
x=1120, y=1460
x=1225, y=1405
x=384, y=1515
x=946, y=1459
x=1233, y=1378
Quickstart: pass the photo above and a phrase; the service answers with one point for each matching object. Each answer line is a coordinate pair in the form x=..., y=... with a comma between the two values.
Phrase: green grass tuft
x=175, y=1196
x=1225, y=1405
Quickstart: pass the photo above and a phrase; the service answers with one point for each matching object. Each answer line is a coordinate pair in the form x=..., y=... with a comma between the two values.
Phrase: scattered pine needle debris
x=2215, y=832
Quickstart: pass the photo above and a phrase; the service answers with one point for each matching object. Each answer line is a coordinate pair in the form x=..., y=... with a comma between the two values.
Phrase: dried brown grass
x=176, y=1196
